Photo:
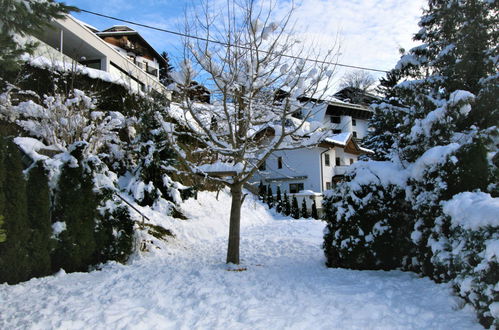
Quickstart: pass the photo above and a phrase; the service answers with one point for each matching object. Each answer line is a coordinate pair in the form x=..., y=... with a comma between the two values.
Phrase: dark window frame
x=335, y=119
x=327, y=160
x=296, y=187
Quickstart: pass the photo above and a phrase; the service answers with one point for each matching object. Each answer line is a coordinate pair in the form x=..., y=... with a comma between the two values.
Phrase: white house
x=119, y=51
x=308, y=172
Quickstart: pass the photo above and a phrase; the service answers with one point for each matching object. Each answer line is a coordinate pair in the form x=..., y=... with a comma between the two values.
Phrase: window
x=326, y=160
x=351, y=161
x=354, y=122
x=354, y=133
x=263, y=166
x=336, y=131
x=279, y=162
x=338, y=163
x=335, y=119
x=295, y=187
x=328, y=185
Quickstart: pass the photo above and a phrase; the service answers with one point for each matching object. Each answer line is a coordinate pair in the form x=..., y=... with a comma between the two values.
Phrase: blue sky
x=370, y=32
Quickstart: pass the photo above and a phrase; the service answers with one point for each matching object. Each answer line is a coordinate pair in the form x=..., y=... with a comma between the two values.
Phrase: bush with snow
x=428, y=206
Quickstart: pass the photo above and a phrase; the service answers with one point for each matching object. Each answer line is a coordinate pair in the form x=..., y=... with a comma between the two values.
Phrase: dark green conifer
x=304, y=210
x=76, y=206
x=114, y=236
x=279, y=203
x=165, y=70
x=262, y=191
x=14, y=253
x=314, y=214
x=287, y=205
x=270, y=197
x=3, y=236
x=39, y=220
x=295, y=210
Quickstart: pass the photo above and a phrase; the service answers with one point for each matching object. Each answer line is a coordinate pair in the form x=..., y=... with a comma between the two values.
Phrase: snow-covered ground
x=187, y=286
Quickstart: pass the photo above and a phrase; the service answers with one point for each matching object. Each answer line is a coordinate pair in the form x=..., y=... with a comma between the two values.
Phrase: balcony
x=340, y=170
x=152, y=71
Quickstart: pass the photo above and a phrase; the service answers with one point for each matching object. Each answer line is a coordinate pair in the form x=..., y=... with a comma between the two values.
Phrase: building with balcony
x=119, y=51
x=306, y=173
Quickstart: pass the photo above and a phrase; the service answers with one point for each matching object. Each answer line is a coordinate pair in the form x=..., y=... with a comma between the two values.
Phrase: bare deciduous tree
x=255, y=88
x=358, y=79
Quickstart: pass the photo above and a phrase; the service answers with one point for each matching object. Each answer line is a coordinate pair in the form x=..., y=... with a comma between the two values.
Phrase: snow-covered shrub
x=75, y=206
x=62, y=120
x=97, y=226
x=470, y=255
x=438, y=134
x=369, y=220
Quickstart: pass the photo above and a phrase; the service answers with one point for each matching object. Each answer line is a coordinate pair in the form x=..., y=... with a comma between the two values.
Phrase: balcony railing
x=340, y=170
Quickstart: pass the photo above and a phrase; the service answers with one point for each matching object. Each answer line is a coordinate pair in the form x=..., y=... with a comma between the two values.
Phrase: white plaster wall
x=361, y=128
x=300, y=162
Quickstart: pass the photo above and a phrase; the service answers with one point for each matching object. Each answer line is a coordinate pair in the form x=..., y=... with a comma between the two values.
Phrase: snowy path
x=286, y=286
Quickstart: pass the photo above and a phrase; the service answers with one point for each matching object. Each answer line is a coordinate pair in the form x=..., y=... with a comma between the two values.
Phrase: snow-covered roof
x=344, y=139
x=339, y=139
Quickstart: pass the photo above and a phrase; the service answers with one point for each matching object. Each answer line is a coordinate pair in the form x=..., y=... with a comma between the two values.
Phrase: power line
x=185, y=35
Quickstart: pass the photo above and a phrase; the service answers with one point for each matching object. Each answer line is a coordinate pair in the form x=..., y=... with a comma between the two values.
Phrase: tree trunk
x=235, y=224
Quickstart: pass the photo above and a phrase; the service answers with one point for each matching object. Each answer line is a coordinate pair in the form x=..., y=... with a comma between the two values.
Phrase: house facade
x=119, y=51
x=307, y=172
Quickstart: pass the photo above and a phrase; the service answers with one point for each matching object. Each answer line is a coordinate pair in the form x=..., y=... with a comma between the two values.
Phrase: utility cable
x=185, y=35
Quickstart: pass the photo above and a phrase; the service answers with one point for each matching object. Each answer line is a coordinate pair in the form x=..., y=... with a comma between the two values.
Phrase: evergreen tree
x=3, y=236
x=270, y=197
x=279, y=202
x=76, y=207
x=295, y=210
x=304, y=210
x=114, y=234
x=24, y=18
x=287, y=205
x=164, y=71
x=314, y=214
x=262, y=191
x=14, y=252
x=439, y=122
x=39, y=221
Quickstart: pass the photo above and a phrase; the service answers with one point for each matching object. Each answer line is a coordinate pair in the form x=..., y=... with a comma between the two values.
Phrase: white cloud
x=370, y=32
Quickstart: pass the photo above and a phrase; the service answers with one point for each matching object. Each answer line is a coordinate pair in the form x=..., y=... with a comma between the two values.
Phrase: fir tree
x=24, y=18
x=39, y=220
x=114, y=234
x=14, y=252
x=314, y=214
x=76, y=207
x=279, y=203
x=287, y=205
x=446, y=105
x=304, y=210
x=262, y=191
x=3, y=235
x=164, y=71
x=270, y=197
x=295, y=210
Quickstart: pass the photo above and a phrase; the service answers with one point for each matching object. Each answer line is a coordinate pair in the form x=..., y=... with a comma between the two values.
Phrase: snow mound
x=473, y=210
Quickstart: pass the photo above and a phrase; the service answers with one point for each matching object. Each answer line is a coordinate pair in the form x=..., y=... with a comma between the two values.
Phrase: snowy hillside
x=185, y=285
